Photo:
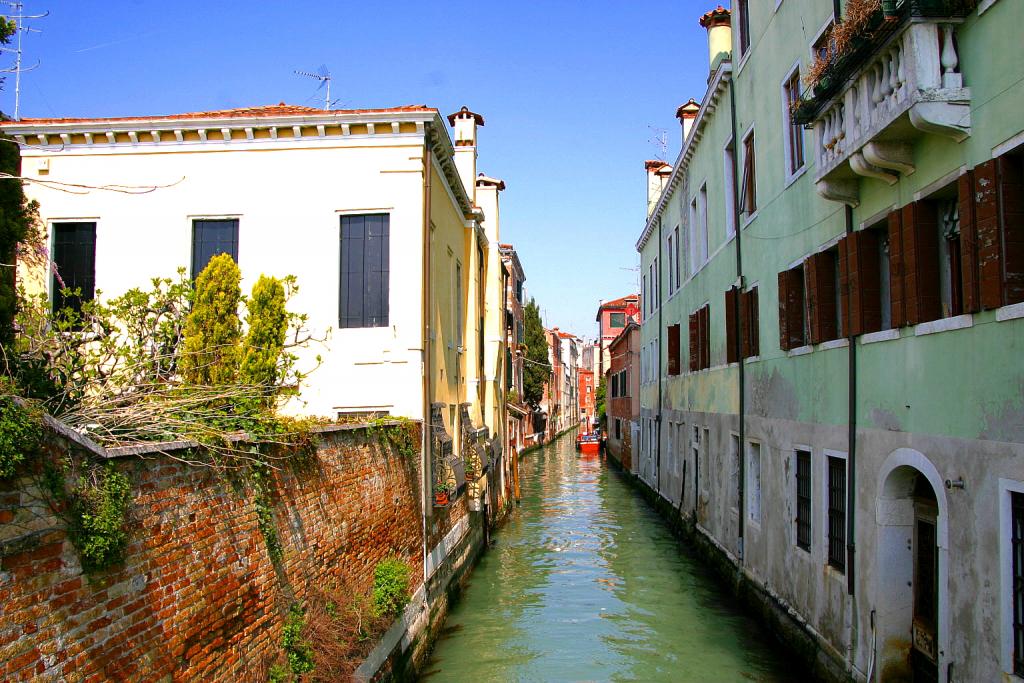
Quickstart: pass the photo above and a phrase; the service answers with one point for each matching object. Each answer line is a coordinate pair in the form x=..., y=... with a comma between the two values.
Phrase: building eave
x=708, y=106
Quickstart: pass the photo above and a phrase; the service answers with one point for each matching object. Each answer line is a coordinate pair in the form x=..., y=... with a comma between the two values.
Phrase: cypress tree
x=213, y=329
x=267, y=320
x=537, y=371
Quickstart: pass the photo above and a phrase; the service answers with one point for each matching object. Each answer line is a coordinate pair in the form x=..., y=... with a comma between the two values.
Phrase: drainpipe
x=742, y=372
x=661, y=331
x=425, y=317
x=851, y=483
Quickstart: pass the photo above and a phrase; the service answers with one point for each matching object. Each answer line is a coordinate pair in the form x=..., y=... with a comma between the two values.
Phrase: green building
x=833, y=337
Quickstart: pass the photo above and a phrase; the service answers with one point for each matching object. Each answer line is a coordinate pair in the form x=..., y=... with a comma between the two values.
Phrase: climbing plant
x=398, y=434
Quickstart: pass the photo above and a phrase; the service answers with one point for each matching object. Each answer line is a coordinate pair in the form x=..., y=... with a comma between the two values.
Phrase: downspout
x=851, y=484
x=661, y=331
x=741, y=368
x=425, y=317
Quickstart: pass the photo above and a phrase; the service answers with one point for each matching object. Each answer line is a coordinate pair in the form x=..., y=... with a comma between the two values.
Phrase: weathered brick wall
x=198, y=597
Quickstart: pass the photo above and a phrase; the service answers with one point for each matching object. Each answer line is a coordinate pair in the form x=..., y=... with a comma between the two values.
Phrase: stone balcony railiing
x=909, y=87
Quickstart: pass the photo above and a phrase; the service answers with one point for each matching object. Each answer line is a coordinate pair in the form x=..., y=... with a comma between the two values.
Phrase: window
x=794, y=135
x=618, y=429
x=365, y=258
x=823, y=293
x=734, y=471
x=692, y=250
x=656, y=282
x=753, y=485
x=457, y=318
x=792, y=315
x=74, y=259
x=519, y=291
x=646, y=299
x=742, y=306
x=743, y=25
x=729, y=183
x=616, y=320
x=212, y=237
x=803, y=499
x=1017, y=578
x=700, y=345
x=823, y=46
x=673, y=350
x=671, y=265
x=748, y=193
x=676, y=254
x=837, y=512
x=702, y=233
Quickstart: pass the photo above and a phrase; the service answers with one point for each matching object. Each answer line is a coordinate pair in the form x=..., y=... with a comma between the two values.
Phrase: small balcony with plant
x=888, y=74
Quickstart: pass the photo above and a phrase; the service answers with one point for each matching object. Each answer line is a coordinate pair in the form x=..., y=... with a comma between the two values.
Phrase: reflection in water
x=585, y=583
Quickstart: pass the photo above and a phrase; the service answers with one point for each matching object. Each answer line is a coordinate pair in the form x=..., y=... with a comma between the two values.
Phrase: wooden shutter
x=968, y=243
x=673, y=349
x=844, y=285
x=921, y=262
x=1011, y=225
x=694, y=332
x=791, y=312
x=819, y=280
x=749, y=321
x=897, y=299
x=863, y=280
x=706, y=337
x=755, y=323
x=986, y=231
x=731, y=352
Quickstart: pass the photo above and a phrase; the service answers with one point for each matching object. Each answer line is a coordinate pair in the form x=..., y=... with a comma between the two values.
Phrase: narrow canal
x=586, y=583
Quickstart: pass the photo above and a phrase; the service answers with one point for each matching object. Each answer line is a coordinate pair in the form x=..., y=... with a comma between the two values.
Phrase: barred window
x=803, y=499
x=1017, y=551
x=837, y=512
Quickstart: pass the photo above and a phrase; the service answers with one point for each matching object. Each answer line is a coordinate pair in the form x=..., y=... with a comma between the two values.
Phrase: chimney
x=687, y=114
x=719, y=26
x=657, y=175
x=464, y=122
x=487, y=190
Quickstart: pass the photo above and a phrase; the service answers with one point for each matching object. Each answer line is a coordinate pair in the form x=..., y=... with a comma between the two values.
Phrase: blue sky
x=572, y=93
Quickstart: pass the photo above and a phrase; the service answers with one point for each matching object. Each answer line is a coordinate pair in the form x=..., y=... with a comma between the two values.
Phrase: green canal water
x=585, y=583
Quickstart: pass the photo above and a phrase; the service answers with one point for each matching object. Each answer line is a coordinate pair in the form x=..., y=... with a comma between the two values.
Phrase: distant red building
x=588, y=399
x=623, y=394
x=612, y=317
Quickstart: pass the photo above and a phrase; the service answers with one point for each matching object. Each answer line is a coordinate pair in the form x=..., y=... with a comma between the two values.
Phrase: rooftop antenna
x=324, y=76
x=20, y=29
x=660, y=142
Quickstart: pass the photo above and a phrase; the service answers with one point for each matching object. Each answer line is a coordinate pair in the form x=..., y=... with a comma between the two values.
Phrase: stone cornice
x=722, y=76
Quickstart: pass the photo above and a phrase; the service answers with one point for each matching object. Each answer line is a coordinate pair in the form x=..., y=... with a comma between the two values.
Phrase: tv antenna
x=660, y=142
x=19, y=19
x=324, y=76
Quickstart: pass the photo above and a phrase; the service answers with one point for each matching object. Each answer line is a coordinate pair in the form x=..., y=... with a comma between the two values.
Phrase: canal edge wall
x=783, y=623
x=202, y=592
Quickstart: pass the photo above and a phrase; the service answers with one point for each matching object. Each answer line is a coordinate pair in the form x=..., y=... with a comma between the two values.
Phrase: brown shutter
x=745, y=325
x=897, y=300
x=751, y=340
x=731, y=355
x=986, y=232
x=864, y=282
x=705, y=337
x=784, y=285
x=968, y=243
x=811, y=293
x=921, y=262
x=673, y=349
x=819, y=279
x=844, y=246
x=1011, y=224
x=694, y=332
x=756, y=326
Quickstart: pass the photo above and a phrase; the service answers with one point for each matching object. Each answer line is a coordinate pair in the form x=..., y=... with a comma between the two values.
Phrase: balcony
x=901, y=84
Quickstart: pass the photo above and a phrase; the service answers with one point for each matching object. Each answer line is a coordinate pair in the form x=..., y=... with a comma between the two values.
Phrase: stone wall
x=198, y=596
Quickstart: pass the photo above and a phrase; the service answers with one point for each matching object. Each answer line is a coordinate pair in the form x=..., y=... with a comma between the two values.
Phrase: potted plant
x=442, y=494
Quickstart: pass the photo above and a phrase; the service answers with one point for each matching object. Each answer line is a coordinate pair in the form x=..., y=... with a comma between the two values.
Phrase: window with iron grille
x=211, y=237
x=837, y=512
x=794, y=139
x=1017, y=550
x=74, y=259
x=803, y=499
x=365, y=258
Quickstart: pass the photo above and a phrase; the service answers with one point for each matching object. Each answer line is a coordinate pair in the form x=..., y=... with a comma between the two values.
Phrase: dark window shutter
x=863, y=280
x=986, y=231
x=705, y=337
x=731, y=355
x=921, y=262
x=968, y=243
x=844, y=285
x=74, y=258
x=745, y=324
x=1011, y=223
x=897, y=298
x=365, y=267
x=673, y=349
x=784, y=284
x=819, y=279
x=212, y=237
x=755, y=321
x=791, y=309
x=694, y=332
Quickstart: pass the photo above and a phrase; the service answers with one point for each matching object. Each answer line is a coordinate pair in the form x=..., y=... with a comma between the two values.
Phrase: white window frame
x=702, y=212
x=791, y=176
x=749, y=218
x=747, y=487
x=1006, y=486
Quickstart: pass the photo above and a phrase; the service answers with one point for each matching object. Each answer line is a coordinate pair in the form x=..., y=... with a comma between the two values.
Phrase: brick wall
x=198, y=597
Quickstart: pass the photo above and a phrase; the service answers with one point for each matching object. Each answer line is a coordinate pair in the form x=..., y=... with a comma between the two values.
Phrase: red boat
x=588, y=443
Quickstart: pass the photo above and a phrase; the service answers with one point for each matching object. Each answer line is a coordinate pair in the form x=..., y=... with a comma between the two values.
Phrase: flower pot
x=441, y=499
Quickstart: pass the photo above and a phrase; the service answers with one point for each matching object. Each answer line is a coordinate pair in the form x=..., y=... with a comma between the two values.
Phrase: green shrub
x=213, y=329
x=20, y=434
x=264, y=343
x=299, y=652
x=99, y=510
x=390, y=587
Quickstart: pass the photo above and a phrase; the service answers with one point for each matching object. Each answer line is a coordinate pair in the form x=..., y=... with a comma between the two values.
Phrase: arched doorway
x=911, y=601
